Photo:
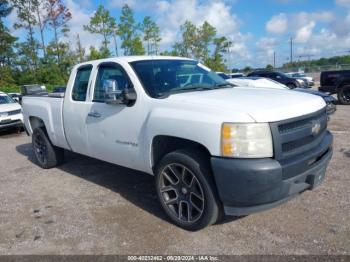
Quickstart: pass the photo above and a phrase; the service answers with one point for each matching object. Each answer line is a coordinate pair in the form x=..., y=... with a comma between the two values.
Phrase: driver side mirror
x=111, y=92
x=129, y=96
x=115, y=96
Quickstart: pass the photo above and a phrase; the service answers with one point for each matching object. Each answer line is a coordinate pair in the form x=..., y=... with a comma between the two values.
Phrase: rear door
x=75, y=110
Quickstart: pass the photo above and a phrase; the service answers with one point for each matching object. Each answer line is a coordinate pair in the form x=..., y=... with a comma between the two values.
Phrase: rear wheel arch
x=36, y=122
x=46, y=153
x=164, y=144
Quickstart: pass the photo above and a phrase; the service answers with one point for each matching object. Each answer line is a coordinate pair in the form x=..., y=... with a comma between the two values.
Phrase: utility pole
x=274, y=59
x=291, y=50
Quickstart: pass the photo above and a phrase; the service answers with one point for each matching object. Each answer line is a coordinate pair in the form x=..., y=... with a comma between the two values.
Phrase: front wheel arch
x=164, y=144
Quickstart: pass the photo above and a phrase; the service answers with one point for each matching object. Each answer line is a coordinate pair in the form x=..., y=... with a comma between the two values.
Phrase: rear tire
x=344, y=95
x=186, y=189
x=47, y=155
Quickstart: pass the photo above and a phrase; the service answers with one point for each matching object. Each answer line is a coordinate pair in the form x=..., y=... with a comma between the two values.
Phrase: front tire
x=344, y=95
x=47, y=155
x=186, y=190
x=291, y=86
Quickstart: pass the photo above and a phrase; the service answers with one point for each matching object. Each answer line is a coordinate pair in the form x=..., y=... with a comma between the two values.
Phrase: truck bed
x=49, y=109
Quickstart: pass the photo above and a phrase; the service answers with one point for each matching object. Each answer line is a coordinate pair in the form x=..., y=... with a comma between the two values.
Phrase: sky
x=257, y=28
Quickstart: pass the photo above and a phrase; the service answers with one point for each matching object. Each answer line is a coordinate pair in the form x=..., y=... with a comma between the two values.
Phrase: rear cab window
x=81, y=83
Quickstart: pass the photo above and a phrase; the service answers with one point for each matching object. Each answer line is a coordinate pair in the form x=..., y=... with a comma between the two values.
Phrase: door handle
x=94, y=114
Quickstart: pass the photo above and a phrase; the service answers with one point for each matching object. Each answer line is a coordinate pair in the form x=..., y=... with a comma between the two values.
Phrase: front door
x=114, y=129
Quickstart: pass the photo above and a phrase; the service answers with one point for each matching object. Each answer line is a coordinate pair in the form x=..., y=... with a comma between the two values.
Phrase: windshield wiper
x=194, y=87
x=185, y=89
x=228, y=85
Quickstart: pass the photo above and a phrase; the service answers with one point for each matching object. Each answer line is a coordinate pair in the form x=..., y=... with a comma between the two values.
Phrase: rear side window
x=81, y=83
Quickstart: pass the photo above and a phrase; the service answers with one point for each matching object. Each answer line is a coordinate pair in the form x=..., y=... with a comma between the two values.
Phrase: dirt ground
x=88, y=206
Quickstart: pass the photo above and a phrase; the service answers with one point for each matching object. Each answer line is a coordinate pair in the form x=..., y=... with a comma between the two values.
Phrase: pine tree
x=57, y=17
x=128, y=32
x=104, y=24
x=151, y=35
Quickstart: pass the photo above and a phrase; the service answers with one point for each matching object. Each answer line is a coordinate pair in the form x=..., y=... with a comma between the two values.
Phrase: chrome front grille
x=11, y=113
x=14, y=112
x=298, y=135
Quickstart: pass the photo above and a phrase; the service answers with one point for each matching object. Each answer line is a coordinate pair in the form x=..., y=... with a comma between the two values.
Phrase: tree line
x=45, y=55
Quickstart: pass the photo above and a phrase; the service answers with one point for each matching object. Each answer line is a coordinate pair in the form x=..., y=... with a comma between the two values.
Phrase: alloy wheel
x=181, y=193
x=40, y=148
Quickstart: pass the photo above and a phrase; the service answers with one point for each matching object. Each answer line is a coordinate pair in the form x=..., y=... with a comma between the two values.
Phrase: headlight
x=246, y=140
x=300, y=81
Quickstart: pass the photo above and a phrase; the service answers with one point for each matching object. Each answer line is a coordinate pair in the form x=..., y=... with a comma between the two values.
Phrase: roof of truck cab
x=129, y=59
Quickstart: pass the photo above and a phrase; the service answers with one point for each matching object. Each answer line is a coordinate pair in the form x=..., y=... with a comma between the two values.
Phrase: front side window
x=81, y=83
x=112, y=72
x=5, y=99
x=163, y=77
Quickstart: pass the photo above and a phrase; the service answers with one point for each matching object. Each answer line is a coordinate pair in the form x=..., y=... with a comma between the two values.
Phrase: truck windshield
x=4, y=99
x=161, y=78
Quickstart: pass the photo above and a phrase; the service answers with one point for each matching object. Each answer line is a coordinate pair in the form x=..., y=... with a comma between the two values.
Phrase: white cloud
x=134, y=4
x=267, y=44
x=172, y=16
x=343, y=2
x=81, y=17
x=278, y=24
x=304, y=33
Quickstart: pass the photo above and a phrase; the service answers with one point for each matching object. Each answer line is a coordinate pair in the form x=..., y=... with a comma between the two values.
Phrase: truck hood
x=9, y=107
x=263, y=105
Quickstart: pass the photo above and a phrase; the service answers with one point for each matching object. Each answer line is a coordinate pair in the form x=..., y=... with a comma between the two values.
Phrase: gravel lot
x=91, y=207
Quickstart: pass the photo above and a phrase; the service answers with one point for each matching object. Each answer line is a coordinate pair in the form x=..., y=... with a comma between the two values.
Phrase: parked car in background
x=59, y=89
x=16, y=96
x=337, y=82
x=281, y=78
x=214, y=149
x=229, y=75
x=223, y=75
x=309, y=80
x=235, y=75
x=10, y=113
x=269, y=83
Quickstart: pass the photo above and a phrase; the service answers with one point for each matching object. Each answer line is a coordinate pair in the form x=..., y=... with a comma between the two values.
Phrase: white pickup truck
x=214, y=149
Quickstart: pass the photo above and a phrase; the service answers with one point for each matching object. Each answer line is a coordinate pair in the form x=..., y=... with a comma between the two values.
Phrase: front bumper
x=331, y=108
x=10, y=124
x=248, y=186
